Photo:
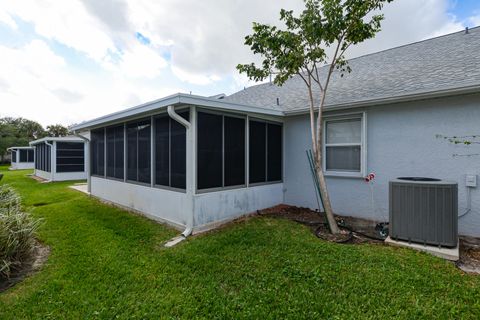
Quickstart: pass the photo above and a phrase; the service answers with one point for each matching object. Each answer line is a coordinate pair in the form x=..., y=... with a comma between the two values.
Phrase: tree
x=304, y=47
x=18, y=132
x=57, y=130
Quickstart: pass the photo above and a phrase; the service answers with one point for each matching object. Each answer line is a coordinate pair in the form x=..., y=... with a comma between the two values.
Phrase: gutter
x=86, y=157
x=189, y=172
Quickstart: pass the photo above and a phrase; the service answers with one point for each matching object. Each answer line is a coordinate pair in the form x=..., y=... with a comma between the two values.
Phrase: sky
x=73, y=60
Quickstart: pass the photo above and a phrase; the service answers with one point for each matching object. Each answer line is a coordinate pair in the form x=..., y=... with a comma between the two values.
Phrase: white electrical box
x=471, y=180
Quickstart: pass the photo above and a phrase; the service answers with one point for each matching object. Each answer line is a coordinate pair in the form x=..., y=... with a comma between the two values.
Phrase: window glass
x=344, y=131
x=257, y=152
x=209, y=151
x=14, y=156
x=234, y=146
x=274, y=152
x=343, y=158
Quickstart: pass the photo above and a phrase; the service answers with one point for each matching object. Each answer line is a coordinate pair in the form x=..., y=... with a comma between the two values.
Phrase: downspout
x=175, y=116
x=51, y=159
x=87, y=158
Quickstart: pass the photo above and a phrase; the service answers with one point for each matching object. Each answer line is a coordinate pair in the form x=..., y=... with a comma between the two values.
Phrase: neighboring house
x=194, y=161
x=60, y=158
x=22, y=158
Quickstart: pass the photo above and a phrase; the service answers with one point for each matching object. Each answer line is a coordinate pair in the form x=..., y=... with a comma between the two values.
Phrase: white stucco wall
x=401, y=141
x=160, y=204
x=22, y=165
x=43, y=174
x=213, y=207
x=65, y=176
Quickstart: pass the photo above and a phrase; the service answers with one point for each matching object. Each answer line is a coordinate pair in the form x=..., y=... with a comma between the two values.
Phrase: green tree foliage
x=57, y=130
x=318, y=37
x=18, y=132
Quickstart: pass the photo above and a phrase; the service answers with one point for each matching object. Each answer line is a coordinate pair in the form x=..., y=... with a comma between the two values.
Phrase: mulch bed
x=469, y=255
x=29, y=267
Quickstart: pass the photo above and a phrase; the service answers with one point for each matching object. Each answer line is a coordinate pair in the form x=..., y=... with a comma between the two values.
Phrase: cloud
x=6, y=19
x=67, y=95
x=140, y=50
x=198, y=79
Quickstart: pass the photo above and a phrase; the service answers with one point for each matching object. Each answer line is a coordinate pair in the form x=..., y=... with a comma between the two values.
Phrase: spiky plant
x=17, y=232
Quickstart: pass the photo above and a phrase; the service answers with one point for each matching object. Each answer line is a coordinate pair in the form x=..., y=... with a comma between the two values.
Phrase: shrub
x=17, y=232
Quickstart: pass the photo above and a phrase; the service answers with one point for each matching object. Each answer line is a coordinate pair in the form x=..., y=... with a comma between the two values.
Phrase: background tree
x=18, y=132
x=57, y=130
x=321, y=34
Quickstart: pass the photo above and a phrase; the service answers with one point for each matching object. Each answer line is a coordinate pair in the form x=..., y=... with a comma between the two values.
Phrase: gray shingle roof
x=442, y=63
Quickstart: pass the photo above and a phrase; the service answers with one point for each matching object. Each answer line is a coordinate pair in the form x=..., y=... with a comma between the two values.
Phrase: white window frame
x=363, y=145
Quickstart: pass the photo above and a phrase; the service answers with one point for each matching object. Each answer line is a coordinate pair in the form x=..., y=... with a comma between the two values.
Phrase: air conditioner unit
x=424, y=210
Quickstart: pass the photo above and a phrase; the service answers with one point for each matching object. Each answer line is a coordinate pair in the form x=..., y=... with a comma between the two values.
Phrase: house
x=195, y=161
x=60, y=158
x=22, y=158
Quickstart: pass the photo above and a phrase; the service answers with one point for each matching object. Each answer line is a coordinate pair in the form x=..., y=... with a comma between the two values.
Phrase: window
x=97, y=147
x=115, y=154
x=265, y=153
x=220, y=151
x=170, y=151
x=70, y=157
x=14, y=156
x=138, y=151
x=343, y=145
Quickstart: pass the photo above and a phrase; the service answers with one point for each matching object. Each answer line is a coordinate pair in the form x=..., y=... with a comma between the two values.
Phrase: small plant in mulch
x=18, y=244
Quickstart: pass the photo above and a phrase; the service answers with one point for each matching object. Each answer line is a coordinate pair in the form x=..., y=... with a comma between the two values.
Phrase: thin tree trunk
x=327, y=206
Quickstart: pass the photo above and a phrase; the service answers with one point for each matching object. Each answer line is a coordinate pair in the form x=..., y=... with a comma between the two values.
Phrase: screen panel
x=257, y=152
x=178, y=153
x=274, y=152
x=234, y=148
x=162, y=150
x=209, y=151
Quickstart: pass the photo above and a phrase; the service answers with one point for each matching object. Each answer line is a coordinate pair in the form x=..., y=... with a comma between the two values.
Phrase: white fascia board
x=19, y=148
x=219, y=104
x=61, y=139
x=176, y=99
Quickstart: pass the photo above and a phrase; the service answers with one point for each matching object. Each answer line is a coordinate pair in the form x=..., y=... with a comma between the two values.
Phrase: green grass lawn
x=107, y=263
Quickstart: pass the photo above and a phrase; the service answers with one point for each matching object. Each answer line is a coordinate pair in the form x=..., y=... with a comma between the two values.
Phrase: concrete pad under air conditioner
x=452, y=254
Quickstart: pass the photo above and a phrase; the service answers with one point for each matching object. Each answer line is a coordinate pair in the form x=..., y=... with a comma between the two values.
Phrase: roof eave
x=177, y=99
x=395, y=99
